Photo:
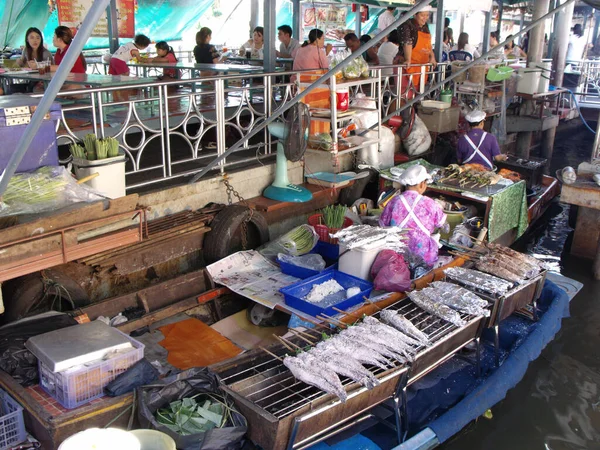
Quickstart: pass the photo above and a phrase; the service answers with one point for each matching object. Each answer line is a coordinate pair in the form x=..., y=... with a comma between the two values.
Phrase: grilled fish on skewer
x=461, y=291
x=519, y=256
x=479, y=280
x=437, y=309
x=404, y=325
x=345, y=366
x=326, y=380
x=528, y=270
x=353, y=350
x=364, y=338
x=381, y=336
x=455, y=302
x=382, y=329
x=515, y=269
x=497, y=270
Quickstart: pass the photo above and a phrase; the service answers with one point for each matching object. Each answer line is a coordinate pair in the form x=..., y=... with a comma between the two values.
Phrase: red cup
x=343, y=99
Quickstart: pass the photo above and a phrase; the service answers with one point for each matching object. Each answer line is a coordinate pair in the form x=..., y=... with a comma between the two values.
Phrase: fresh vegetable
x=77, y=151
x=196, y=414
x=300, y=240
x=41, y=187
x=89, y=142
x=333, y=216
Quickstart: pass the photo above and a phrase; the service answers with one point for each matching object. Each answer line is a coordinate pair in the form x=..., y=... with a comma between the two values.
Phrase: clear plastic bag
x=299, y=241
x=48, y=188
x=390, y=273
x=309, y=261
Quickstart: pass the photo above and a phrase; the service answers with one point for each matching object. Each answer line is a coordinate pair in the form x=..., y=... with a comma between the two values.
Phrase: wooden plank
x=63, y=219
x=158, y=315
x=158, y=296
x=588, y=197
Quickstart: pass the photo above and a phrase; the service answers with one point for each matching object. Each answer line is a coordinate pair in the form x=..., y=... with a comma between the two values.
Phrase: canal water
x=557, y=404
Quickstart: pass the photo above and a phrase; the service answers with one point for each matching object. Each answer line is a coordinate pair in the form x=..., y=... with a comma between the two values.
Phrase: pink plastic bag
x=390, y=273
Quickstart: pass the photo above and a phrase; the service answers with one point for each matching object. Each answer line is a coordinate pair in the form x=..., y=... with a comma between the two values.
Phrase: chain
x=231, y=192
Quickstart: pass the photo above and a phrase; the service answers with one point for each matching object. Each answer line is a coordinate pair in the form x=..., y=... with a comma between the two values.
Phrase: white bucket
x=111, y=174
x=529, y=81
x=101, y=439
x=154, y=440
x=358, y=262
x=546, y=68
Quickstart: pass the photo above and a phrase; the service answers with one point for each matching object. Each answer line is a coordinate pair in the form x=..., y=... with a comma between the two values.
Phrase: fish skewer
x=316, y=375
x=479, y=280
x=437, y=309
x=493, y=268
x=455, y=302
x=404, y=325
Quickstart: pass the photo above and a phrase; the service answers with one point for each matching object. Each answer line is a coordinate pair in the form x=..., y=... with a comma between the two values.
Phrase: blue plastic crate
x=327, y=250
x=300, y=272
x=294, y=294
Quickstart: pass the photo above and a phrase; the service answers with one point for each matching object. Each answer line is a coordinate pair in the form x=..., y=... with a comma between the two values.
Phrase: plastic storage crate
x=295, y=293
x=73, y=388
x=12, y=427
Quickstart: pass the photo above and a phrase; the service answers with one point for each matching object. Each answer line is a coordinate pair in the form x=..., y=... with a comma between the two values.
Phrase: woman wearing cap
x=477, y=146
x=419, y=214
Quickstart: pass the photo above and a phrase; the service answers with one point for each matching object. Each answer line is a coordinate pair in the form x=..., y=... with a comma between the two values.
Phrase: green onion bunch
x=333, y=216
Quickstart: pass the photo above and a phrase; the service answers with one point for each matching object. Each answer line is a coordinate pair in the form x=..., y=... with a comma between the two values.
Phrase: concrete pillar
x=521, y=26
x=487, y=28
x=357, y=21
x=439, y=30
x=296, y=20
x=113, y=26
x=254, y=19
x=534, y=54
x=269, y=55
x=561, y=42
x=596, y=27
x=552, y=34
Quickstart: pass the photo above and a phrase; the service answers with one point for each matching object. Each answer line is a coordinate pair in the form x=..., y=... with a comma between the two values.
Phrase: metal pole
x=279, y=111
x=269, y=55
x=296, y=22
x=561, y=42
x=113, y=26
x=500, y=11
x=357, y=20
x=93, y=16
x=439, y=30
x=522, y=25
x=596, y=27
x=552, y=35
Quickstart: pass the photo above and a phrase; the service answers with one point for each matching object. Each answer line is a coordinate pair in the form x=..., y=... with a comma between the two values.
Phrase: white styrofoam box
x=529, y=83
x=357, y=262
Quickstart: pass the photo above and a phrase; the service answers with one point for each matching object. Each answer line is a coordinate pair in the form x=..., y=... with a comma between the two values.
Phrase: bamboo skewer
x=372, y=303
x=334, y=321
x=347, y=313
x=317, y=324
x=284, y=342
x=302, y=337
x=301, y=333
x=271, y=353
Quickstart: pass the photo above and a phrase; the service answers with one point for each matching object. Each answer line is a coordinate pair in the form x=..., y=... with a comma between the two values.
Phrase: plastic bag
x=379, y=155
x=15, y=359
x=47, y=189
x=419, y=139
x=390, y=272
x=460, y=236
x=141, y=373
x=187, y=384
x=357, y=68
x=310, y=261
x=368, y=117
x=299, y=241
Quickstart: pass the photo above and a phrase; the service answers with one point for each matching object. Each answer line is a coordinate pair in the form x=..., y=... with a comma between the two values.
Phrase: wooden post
x=561, y=42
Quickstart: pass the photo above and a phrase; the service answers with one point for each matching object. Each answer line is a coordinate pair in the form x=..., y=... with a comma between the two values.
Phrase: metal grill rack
x=271, y=398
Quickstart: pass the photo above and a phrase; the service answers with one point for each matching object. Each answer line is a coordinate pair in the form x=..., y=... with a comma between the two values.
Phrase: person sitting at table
x=477, y=146
x=352, y=42
x=288, y=45
x=125, y=53
x=63, y=36
x=254, y=45
x=167, y=55
x=313, y=53
x=34, y=49
x=370, y=56
x=388, y=51
x=203, y=51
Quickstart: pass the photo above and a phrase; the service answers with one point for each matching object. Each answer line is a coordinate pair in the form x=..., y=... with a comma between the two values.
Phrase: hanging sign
x=72, y=12
x=328, y=18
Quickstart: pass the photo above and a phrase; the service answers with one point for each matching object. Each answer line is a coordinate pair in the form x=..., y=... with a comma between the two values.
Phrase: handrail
x=276, y=114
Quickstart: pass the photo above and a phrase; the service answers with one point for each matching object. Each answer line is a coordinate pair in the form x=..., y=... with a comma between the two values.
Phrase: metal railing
x=172, y=129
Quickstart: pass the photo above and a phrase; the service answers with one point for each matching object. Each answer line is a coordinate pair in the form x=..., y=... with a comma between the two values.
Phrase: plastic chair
x=460, y=55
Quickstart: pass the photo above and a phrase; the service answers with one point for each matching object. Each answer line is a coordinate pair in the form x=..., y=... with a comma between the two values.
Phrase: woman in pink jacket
x=313, y=53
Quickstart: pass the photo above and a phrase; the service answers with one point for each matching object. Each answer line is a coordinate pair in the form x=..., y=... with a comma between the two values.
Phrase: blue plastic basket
x=295, y=293
x=327, y=250
x=300, y=272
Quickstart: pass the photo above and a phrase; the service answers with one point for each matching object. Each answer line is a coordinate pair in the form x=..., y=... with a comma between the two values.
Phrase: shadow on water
x=557, y=404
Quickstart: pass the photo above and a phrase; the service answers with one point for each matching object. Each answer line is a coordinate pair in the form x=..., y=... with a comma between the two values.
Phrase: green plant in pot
x=93, y=149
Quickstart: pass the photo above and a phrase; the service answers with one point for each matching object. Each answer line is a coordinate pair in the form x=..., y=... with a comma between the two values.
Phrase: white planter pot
x=111, y=174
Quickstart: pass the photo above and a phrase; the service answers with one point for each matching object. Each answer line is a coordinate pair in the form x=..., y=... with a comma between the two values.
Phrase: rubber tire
x=218, y=241
x=352, y=193
x=23, y=292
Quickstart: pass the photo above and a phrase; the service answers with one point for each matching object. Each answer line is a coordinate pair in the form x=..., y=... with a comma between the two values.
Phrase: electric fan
x=293, y=137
